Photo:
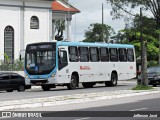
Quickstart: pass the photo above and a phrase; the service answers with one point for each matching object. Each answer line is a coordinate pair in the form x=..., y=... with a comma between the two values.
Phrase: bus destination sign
x=40, y=47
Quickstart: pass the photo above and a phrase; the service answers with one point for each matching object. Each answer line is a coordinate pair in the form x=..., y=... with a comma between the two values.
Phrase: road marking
x=83, y=118
x=139, y=109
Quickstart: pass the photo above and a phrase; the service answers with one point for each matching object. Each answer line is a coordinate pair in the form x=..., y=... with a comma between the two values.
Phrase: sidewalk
x=69, y=99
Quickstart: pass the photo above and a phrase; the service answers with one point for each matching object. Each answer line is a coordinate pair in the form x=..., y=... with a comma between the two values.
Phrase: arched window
x=9, y=42
x=34, y=23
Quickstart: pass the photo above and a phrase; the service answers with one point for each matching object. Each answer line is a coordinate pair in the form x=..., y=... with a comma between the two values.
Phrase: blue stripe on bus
x=94, y=44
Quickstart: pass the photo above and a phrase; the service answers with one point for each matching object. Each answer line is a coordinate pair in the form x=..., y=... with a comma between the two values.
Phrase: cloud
x=91, y=12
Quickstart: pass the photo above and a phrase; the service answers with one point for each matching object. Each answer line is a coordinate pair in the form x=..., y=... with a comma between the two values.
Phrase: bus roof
x=59, y=43
x=62, y=43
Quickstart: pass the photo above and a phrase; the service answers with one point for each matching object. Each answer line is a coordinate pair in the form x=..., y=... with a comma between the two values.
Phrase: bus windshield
x=40, y=61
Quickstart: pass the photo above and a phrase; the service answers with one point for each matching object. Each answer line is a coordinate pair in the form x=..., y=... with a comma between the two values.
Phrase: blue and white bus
x=50, y=64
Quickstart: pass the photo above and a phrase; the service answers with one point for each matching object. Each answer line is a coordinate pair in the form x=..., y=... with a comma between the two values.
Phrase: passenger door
x=63, y=66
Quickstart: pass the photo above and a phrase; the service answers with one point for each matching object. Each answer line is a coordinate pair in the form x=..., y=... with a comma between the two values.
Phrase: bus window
x=84, y=55
x=104, y=54
x=130, y=55
x=94, y=54
x=73, y=54
x=113, y=55
x=122, y=55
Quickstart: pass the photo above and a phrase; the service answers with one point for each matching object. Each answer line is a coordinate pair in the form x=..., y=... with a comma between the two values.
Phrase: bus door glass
x=62, y=59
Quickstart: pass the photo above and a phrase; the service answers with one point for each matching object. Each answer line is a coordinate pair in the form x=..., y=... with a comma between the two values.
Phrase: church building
x=30, y=21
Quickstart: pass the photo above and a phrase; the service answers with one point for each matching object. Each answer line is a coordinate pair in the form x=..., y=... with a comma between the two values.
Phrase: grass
x=142, y=87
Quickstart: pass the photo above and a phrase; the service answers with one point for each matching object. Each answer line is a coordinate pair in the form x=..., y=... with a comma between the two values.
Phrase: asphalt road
x=129, y=106
x=39, y=93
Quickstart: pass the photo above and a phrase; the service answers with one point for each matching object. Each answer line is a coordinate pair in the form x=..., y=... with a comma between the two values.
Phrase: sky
x=91, y=12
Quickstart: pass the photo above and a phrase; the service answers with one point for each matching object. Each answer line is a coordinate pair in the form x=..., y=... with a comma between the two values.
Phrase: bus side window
x=130, y=54
x=73, y=54
x=113, y=55
x=104, y=54
x=94, y=54
x=62, y=62
x=122, y=55
x=84, y=54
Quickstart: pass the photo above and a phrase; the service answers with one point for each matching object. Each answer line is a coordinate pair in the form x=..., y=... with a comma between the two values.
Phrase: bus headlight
x=53, y=75
x=156, y=77
x=26, y=77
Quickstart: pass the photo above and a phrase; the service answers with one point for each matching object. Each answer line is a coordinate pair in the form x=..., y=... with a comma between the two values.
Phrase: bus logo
x=36, y=68
x=85, y=68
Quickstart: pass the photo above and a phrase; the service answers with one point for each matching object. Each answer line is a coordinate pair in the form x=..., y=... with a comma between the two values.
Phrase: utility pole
x=102, y=24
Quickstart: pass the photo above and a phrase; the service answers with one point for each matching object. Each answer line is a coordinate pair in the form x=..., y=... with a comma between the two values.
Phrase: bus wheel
x=46, y=88
x=113, y=81
x=88, y=85
x=73, y=83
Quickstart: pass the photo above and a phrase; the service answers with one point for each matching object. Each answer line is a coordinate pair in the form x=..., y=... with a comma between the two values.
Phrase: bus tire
x=88, y=85
x=73, y=84
x=113, y=81
x=46, y=88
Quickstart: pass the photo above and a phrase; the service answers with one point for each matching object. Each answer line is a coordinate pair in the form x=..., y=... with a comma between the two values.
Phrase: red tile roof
x=58, y=6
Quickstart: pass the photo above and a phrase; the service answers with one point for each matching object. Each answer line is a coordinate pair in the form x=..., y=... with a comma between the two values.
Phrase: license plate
x=38, y=83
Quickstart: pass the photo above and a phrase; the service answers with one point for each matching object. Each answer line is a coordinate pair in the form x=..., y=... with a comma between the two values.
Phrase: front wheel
x=73, y=84
x=46, y=88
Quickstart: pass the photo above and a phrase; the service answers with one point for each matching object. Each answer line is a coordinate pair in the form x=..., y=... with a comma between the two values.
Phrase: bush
x=152, y=63
x=142, y=87
x=15, y=65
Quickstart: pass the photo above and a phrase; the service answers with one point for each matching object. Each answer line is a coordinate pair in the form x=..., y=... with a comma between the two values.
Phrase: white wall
x=11, y=13
x=43, y=34
x=10, y=16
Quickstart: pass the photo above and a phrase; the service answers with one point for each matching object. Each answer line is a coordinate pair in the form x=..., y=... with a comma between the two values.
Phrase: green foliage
x=94, y=33
x=119, y=7
x=132, y=36
x=142, y=87
x=17, y=65
x=152, y=63
x=6, y=57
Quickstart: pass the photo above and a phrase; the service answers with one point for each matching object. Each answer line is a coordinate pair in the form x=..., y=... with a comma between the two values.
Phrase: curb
x=70, y=99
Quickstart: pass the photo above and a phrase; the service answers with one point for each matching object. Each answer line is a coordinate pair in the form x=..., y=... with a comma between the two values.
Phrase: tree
x=94, y=33
x=121, y=6
x=120, y=37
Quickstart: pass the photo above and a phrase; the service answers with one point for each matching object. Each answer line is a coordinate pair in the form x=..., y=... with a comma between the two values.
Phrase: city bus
x=51, y=64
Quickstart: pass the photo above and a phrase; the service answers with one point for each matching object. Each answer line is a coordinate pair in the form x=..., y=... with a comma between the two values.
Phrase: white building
x=29, y=21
